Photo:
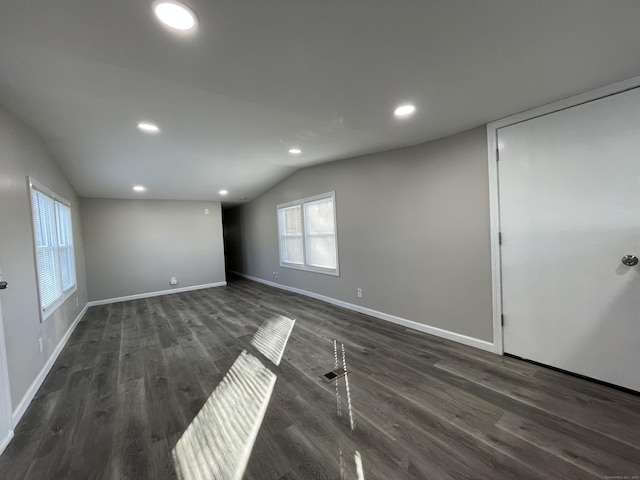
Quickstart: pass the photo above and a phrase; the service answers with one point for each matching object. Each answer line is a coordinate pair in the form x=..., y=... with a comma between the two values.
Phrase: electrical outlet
x=275, y=274
x=173, y=281
x=206, y=211
x=41, y=344
x=359, y=293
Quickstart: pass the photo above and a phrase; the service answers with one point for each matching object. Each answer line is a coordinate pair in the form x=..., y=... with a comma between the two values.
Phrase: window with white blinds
x=53, y=239
x=307, y=234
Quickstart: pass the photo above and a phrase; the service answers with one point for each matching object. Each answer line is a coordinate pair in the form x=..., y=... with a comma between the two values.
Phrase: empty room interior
x=341, y=240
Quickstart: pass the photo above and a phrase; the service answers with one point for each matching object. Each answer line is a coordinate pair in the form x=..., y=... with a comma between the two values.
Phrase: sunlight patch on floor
x=346, y=470
x=218, y=443
x=272, y=336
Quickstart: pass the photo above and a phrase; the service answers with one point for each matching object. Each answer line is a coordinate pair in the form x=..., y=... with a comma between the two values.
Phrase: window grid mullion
x=311, y=244
x=56, y=244
x=303, y=223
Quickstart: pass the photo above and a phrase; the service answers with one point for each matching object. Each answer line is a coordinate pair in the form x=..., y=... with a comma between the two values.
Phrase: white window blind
x=53, y=239
x=307, y=234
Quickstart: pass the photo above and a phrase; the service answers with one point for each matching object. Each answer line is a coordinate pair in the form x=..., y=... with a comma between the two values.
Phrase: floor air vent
x=333, y=374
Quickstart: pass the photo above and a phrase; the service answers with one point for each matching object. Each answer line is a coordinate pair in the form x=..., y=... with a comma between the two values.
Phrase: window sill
x=325, y=271
x=51, y=309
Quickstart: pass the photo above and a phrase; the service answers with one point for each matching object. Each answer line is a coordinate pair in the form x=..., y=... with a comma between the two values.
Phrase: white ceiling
x=260, y=76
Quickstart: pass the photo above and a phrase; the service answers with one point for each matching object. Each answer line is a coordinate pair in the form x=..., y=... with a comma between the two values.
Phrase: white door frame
x=494, y=193
x=5, y=437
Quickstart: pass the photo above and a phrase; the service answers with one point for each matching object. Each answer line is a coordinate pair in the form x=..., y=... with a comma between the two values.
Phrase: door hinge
x=497, y=154
x=499, y=238
x=502, y=319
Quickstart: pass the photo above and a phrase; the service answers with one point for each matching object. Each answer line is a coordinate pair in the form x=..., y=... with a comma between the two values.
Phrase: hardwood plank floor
x=135, y=375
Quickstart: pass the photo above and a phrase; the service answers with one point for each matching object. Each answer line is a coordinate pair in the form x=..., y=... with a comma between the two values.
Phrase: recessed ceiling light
x=223, y=192
x=148, y=127
x=139, y=188
x=174, y=15
x=404, y=110
x=295, y=151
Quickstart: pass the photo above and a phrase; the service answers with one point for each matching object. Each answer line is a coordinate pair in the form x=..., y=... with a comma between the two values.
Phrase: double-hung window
x=53, y=240
x=307, y=234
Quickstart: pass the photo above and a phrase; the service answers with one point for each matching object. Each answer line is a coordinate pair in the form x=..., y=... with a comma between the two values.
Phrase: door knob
x=3, y=285
x=630, y=260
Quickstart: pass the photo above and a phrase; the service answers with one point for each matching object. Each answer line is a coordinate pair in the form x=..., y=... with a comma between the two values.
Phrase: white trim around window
x=308, y=234
x=53, y=247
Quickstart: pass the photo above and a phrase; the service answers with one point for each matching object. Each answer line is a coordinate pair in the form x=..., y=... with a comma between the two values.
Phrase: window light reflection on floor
x=272, y=336
x=218, y=443
x=346, y=472
x=359, y=470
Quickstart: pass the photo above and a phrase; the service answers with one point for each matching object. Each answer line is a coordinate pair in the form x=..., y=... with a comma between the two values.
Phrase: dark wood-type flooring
x=135, y=374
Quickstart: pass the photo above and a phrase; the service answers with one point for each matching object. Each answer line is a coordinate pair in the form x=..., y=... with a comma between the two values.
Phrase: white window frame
x=305, y=266
x=70, y=290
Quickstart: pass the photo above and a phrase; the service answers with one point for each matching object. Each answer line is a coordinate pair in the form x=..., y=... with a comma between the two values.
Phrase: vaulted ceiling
x=258, y=77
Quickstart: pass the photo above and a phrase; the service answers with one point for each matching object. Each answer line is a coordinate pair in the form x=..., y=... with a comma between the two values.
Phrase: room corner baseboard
x=5, y=441
x=438, y=332
x=33, y=389
x=159, y=293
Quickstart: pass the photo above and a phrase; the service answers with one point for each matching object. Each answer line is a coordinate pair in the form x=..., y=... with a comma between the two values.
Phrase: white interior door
x=5, y=397
x=569, y=211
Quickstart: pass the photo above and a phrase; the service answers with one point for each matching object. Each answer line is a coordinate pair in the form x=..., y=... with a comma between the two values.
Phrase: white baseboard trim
x=138, y=296
x=33, y=389
x=438, y=332
x=5, y=441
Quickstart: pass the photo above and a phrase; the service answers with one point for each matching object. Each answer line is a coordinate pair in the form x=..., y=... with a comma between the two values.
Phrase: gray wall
x=413, y=233
x=135, y=246
x=21, y=154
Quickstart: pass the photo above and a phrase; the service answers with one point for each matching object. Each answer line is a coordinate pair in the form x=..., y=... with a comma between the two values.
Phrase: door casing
x=494, y=193
x=6, y=421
